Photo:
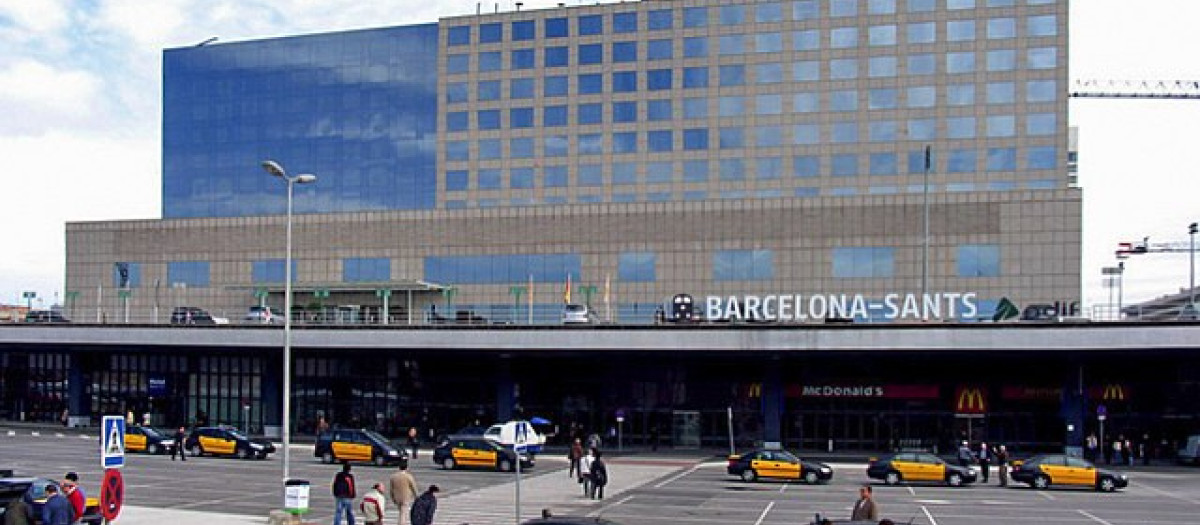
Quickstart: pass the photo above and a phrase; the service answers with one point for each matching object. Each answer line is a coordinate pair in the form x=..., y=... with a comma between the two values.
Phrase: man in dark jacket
x=424, y=507
x=56, y=510
x=18, y=513
x=599, y=476
x=865, y=508
x=343, y=492
x=180, y=437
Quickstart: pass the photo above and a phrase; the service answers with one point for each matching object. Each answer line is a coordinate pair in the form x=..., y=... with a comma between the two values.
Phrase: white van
x=508, y=434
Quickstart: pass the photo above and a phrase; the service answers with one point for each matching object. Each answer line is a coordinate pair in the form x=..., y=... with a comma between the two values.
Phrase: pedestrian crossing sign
x=112, y=442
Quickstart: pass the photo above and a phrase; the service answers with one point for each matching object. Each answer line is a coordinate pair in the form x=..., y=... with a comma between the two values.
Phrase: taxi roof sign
x=112, y=442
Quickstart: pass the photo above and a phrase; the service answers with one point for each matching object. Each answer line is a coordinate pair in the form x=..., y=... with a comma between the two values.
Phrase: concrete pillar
x=271, y=395
x=1074, y=409
x=79, y=397
x=506, y=390
x=772, y=404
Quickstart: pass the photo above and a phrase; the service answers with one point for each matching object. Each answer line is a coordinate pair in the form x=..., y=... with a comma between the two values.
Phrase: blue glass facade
x=359, y=109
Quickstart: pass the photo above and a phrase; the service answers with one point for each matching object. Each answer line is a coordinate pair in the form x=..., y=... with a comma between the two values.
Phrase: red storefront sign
x=1031, y=393
x=864, y=391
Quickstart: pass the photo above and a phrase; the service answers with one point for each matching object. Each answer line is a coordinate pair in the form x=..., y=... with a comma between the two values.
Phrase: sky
x=81, y=111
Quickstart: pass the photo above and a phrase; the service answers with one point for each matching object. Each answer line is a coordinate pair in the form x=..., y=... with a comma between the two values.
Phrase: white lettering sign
x=778, y=307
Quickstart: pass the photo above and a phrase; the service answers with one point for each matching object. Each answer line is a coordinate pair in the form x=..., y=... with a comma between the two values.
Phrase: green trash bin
x=295, y=496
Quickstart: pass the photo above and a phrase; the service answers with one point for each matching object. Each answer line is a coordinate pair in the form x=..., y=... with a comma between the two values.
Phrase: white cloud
x=35, y=97
x=40, y=16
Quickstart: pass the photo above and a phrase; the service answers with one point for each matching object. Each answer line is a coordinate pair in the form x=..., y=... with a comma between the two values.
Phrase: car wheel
x=506, y=465
x=892, y=478
x=449, y=464
x=811, y=478
x=380, y=460
x=1041, y=482
x=1106, y=485
x=749, y=475
x=327, y=458
x=954, y=479
x=243, y=453
x=196, y=451
x=152, y=448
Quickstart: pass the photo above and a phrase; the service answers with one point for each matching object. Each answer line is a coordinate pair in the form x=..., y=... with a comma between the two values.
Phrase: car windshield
x=376, y=437
x=151, y=432
x=576, y=308
x=236, y=434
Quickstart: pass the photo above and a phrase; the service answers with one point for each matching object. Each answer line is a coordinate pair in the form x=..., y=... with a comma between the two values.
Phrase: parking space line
x=1093, y=517
x=1165, y=493
x=928, y=515
x=784, y=487
x=1044, y=494
x=677, y=476
x=763, y=516
x=911, y=492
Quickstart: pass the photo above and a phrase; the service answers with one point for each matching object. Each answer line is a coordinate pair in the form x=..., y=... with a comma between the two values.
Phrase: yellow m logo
x=970, y=400
x=1113, y=393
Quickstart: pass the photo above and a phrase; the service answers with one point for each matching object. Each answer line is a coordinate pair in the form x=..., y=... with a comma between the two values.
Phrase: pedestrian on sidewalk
x=75, y=495
x=425, y=506
x=573, y=457
x=585, y=471
x=373, y=505
x=343, y=493
x=964, y=455
x=180, y=437
x=1002, y=462
x=599, y=475
x=18, y=513
x=402, y=489
x=412, y=441
x=985, y=461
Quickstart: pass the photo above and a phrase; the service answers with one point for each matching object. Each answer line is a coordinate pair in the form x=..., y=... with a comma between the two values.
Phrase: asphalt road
x=679, y=490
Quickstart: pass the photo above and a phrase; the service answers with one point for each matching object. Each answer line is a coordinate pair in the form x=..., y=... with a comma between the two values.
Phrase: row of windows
x=740, y=75
x=699, y=46
x=742, y=194
x=196, y=273
x=727, y=15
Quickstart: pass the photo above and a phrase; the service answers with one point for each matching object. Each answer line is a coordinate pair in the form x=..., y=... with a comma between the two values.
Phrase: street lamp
x=925, y=224
x=276, y=170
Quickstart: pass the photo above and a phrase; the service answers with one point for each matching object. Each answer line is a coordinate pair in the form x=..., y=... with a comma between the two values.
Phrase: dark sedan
x=919, y=466
x=478, y=452
x=1041, y=472
x=777, y=464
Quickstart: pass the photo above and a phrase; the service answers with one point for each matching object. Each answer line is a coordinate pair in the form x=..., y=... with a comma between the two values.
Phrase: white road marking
x=676, y=477
x=35, y=434
x=1046, y=495
x=604, y=510
x=763, y=516
x=935, y=501
x=912, y=492
x=928, y=515
x=12, y=433
x=1093, y=517
x=59, y=435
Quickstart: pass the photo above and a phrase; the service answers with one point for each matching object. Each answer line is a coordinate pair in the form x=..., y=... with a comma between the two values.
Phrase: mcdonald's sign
x=754, y=390
x=970, y=400
x=1109, y=392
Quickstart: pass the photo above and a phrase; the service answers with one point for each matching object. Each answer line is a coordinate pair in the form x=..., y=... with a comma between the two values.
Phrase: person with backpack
x=424, y=507
x=343, y=493
x=599, y=475
x=373, y=505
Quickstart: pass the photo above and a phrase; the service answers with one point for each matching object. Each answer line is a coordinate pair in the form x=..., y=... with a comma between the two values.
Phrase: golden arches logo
x=754, y=390
x=970, y=400
x=1113, y=392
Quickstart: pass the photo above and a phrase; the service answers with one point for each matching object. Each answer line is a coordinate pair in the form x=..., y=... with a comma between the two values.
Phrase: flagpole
x=531, y=299
x=607, y=304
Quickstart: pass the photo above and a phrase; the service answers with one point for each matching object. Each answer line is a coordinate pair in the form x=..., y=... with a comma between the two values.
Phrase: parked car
x=191, y=315
x=777, y=464
x=148, y=440
x=1040, y=472
x=475, y=452
x=577, y=314
x=33, y=491
x=45, y=316
x=262, y=315
x=919, y=466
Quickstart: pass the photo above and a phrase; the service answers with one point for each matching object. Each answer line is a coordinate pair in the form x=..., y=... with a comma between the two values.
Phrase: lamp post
x=925, y=236
x=276, y=170
x=1192, y=228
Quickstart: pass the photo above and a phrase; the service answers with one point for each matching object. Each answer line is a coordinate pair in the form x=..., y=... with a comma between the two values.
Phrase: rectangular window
x=1044, y=25
x=590, y=25
x=768, y=42
x=658, y=110
x=881, y=35
x=998, y=28
x=695, y=108
x=502, y=269
x=625, y=142
x=979, y=260
x=557, y=28
x=843, y=37
x=806, y=40
x=921, y=6
x=520, y=88
x=844, y=132
x=524, y=30
x=490, y=149
x=806, y=134
x=960, y=30
x=922, y=96
x=731, y=44
x=806, y=166
x=695, y=17
x=963, y=62
x=805, y=10
x=659, y=172
x=768, y=136
x=660, y=49
x=590, y=113
x=591, y=83
x=458, y=36
x=624, y=52
x=695, y=139
x=843, y=165
x=591, y=54
x=488, y=118
x=491, y=33
x=624, y=82
x=960, y=127
x=488, y=90
x=490, y=61
x=844, y=100
x=1002, y=60
x=843, y=7
x=658, y=79
x=695, y=47
x=922, y=129
x=625, y=22
x=1041, y=158
x=521, y=178
x=843, y=68
x=1001, y=126
x=660, y=141
x=1039, y=124
x=695, y=77
x=732, y=137
x=922, y=64
x=732, y=15
x=955, y=5
x=731, y=106
x=458, y=121
x=556, y=56
x=1041, y=91
x=521, y=148
x=624, y=173
x=883, y=164
x=555, y=86
x=558, y=145
x=881, y=131
x=366, y=269
x=554, y=116
x=523, y=59
x=1002, y=159
x=732, y=75
x=264, y=271
x=922, y=33
x=457, y=180
x=769, y=73
x=1001, y=93
x=458, y=64
x=695, y=171
x=881, y=67
x=768, y=168
x=660, y=19
x=591, y=175
x=731, y=169
x=960, y=94
x=127, y=275
x=458, y=150
x=806, y=71
x=961, y=161
x=636, y=267
x=864, y=263
x=768, y=104
x=624, y=111
x=1041, y=58
x=743, y=265
x=805, y=103
x=768, y=12
x=457, y=92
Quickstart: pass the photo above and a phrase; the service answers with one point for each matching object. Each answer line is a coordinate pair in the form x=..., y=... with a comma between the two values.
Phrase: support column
x=772, y=405
x=1074, y=409
x=506, y=390
x=272, y=394
x=79, y=397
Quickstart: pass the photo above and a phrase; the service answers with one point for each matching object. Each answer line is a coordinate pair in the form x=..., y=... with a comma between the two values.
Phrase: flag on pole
x=567, y=292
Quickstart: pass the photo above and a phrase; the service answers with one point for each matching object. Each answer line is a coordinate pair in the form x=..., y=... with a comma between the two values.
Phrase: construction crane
x=1126, y=249
x=1151, y=89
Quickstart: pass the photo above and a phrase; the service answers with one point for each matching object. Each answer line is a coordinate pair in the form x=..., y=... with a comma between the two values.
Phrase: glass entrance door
x=685, y=428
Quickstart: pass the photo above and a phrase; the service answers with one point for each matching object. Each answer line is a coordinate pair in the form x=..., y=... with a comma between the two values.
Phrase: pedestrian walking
x=985, y=460
x=75, y=495
x=585, y=472
x=1128, y=446
x=573, y=457
x=373, y=505
x=424, y=507
x=599, y=475
x=1116, y=451
x=343, y=494
x=56, y=510
x=1002, y=462
x=1091, y=447
x=865, y=508
x=412, y=441
x=177, y=448
x=964, y=455
x=402, y=489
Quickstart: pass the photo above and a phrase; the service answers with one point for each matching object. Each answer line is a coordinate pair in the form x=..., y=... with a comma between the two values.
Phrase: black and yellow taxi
x=1041, y=472
x=457, y=452
x=33, y=492
x=357, y=445
x=921, y=467
x=777, y=464
x=226, y=441
x=147, y=439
